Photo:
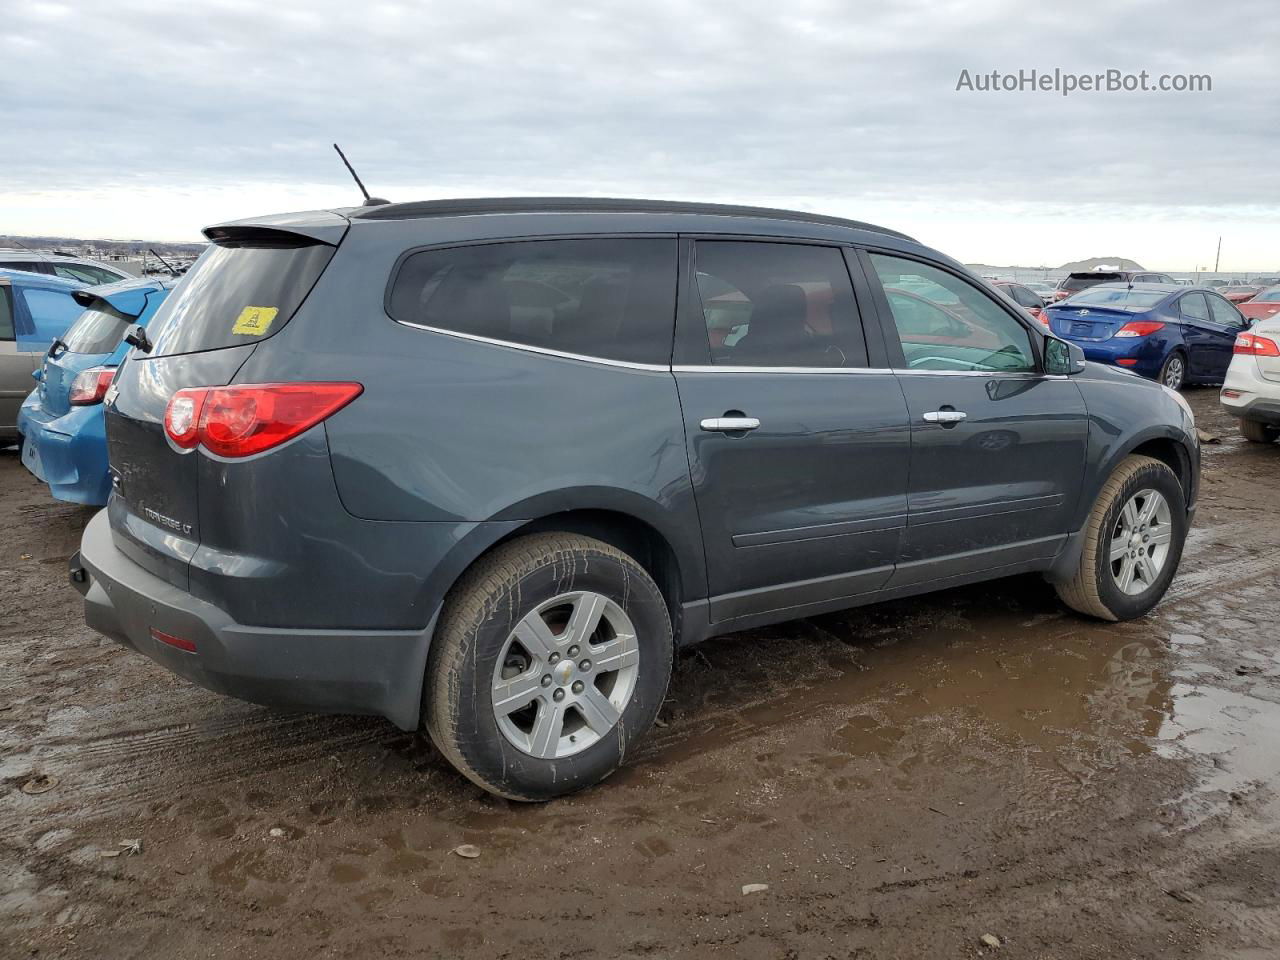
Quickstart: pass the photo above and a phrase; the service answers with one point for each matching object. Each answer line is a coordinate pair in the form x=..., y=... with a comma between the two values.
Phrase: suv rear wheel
x=1133, y=543
x=1256, y=432
x=552, y=657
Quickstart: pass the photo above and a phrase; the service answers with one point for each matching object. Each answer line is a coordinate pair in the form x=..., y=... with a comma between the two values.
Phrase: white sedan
x=1251, y=390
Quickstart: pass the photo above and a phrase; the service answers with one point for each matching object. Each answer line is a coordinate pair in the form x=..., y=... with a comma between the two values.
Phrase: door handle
x=729, y=424
x=945, y=416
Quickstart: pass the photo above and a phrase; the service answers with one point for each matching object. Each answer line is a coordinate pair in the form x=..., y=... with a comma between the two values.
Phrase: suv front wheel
x=552, y=657
x=1133, y=542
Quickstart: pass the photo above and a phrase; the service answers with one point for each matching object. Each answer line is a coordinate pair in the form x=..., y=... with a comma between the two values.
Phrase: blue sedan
x=64, y=442
x=1174, y=334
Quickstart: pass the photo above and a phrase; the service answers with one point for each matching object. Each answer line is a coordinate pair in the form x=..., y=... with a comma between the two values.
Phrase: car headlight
x=1182, y=402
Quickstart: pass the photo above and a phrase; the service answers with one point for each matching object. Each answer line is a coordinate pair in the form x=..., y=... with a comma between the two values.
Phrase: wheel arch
x=1165, y=444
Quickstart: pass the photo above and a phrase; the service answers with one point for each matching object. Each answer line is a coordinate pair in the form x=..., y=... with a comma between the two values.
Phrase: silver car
x=1251, y=390
x=62, y=265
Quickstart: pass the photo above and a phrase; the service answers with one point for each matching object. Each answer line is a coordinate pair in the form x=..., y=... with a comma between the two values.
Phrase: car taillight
x=245, y=419
x=90, y=386
x=1139, y=328
x=1040, y=314
x=1255, y=345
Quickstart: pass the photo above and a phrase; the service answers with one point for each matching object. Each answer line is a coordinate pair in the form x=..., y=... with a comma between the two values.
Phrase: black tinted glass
x=6, y=313
x=1023, y=296
x=99, y=330
x=1088, y=280
x=609, y=298
x=778, y=305
x=235, y=295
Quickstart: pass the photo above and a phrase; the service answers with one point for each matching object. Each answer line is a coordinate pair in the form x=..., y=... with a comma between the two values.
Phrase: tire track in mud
x=113, y=772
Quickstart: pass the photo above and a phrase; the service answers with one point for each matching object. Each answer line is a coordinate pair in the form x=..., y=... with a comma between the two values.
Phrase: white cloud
x=150, y=119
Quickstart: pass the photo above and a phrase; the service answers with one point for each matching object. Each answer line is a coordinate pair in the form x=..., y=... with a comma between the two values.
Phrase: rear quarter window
x=237, y=294
x=608, y=298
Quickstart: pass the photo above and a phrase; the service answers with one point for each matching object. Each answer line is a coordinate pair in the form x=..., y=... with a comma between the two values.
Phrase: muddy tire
x=1256, y=432
x=1132, y=543
x=1174, y=372
x=551, y=659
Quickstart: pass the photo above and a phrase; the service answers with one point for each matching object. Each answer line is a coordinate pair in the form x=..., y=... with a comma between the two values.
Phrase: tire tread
x=1080, y=593
x=468, y=605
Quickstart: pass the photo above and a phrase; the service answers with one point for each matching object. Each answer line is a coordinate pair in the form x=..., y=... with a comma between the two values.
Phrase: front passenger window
x=945, y=323
x=1224, y=313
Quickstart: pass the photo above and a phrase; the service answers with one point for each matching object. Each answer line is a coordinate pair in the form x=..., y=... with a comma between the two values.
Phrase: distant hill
x=1115, y=263
x=89, y=247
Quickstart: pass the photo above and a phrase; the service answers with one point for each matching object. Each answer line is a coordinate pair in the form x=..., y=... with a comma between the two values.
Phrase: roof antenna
x=168, y=266
x=368, y=200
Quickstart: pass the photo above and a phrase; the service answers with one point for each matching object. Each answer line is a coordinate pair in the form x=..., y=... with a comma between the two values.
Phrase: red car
x=1238, y=294
x=1023, y=297
x=1263, y=305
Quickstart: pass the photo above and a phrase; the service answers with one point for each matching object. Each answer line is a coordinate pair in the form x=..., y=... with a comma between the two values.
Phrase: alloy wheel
x=1140, y=542
x=566, y=674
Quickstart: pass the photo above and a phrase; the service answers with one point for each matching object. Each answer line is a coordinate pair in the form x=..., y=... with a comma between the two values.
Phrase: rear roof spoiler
x=283, y=229
x=128, y=297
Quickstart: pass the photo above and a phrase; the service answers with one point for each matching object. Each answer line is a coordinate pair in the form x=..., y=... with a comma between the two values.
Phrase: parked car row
x=480, y=466
x=61, y=265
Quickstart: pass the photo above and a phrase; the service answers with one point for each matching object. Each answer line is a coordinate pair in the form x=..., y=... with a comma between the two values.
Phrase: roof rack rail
x=484, y=205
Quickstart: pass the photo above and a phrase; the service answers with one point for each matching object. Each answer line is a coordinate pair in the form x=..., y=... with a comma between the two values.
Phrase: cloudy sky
x=151, y=119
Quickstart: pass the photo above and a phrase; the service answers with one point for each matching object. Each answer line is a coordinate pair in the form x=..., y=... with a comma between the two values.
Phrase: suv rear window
x=1083, y=281
x=98, y=330
x=608, y=298
x=237, y=294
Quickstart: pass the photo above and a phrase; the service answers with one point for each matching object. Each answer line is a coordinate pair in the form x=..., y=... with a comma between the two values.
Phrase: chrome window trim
x=542, y=351
x=725, y=368
x=1019, y=374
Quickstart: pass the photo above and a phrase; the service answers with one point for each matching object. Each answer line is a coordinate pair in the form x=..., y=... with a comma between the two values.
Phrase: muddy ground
x=905, y=778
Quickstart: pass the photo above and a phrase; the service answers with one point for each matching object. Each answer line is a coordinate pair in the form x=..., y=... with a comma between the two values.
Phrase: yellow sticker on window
x=254, y=321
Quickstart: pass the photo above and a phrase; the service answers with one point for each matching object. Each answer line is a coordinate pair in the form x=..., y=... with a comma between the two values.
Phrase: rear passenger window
x=608, y=298
x=1192, y=305
x=778, y=305
x=945, y=323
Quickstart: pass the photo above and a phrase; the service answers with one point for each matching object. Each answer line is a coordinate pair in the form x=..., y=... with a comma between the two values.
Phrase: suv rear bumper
x=332, y=671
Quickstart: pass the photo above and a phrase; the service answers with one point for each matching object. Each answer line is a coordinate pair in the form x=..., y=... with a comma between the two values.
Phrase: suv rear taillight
x=245, y=419
x=1254, y=345
x=1139, y=328
x=90, y=386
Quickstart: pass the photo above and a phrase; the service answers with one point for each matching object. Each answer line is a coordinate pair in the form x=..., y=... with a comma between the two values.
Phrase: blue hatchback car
x=1165, y=332
x=64, y=443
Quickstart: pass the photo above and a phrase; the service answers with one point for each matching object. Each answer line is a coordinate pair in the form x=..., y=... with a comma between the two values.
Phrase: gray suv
x=480, y=466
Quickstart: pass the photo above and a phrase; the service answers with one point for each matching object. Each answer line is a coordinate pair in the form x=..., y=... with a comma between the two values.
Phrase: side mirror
x=1062, y=358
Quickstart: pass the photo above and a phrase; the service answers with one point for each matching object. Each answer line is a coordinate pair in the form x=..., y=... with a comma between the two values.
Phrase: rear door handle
x=729, y=424
x=945, y=416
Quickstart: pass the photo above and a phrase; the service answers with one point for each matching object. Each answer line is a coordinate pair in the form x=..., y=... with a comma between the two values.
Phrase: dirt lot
x=905, y=778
